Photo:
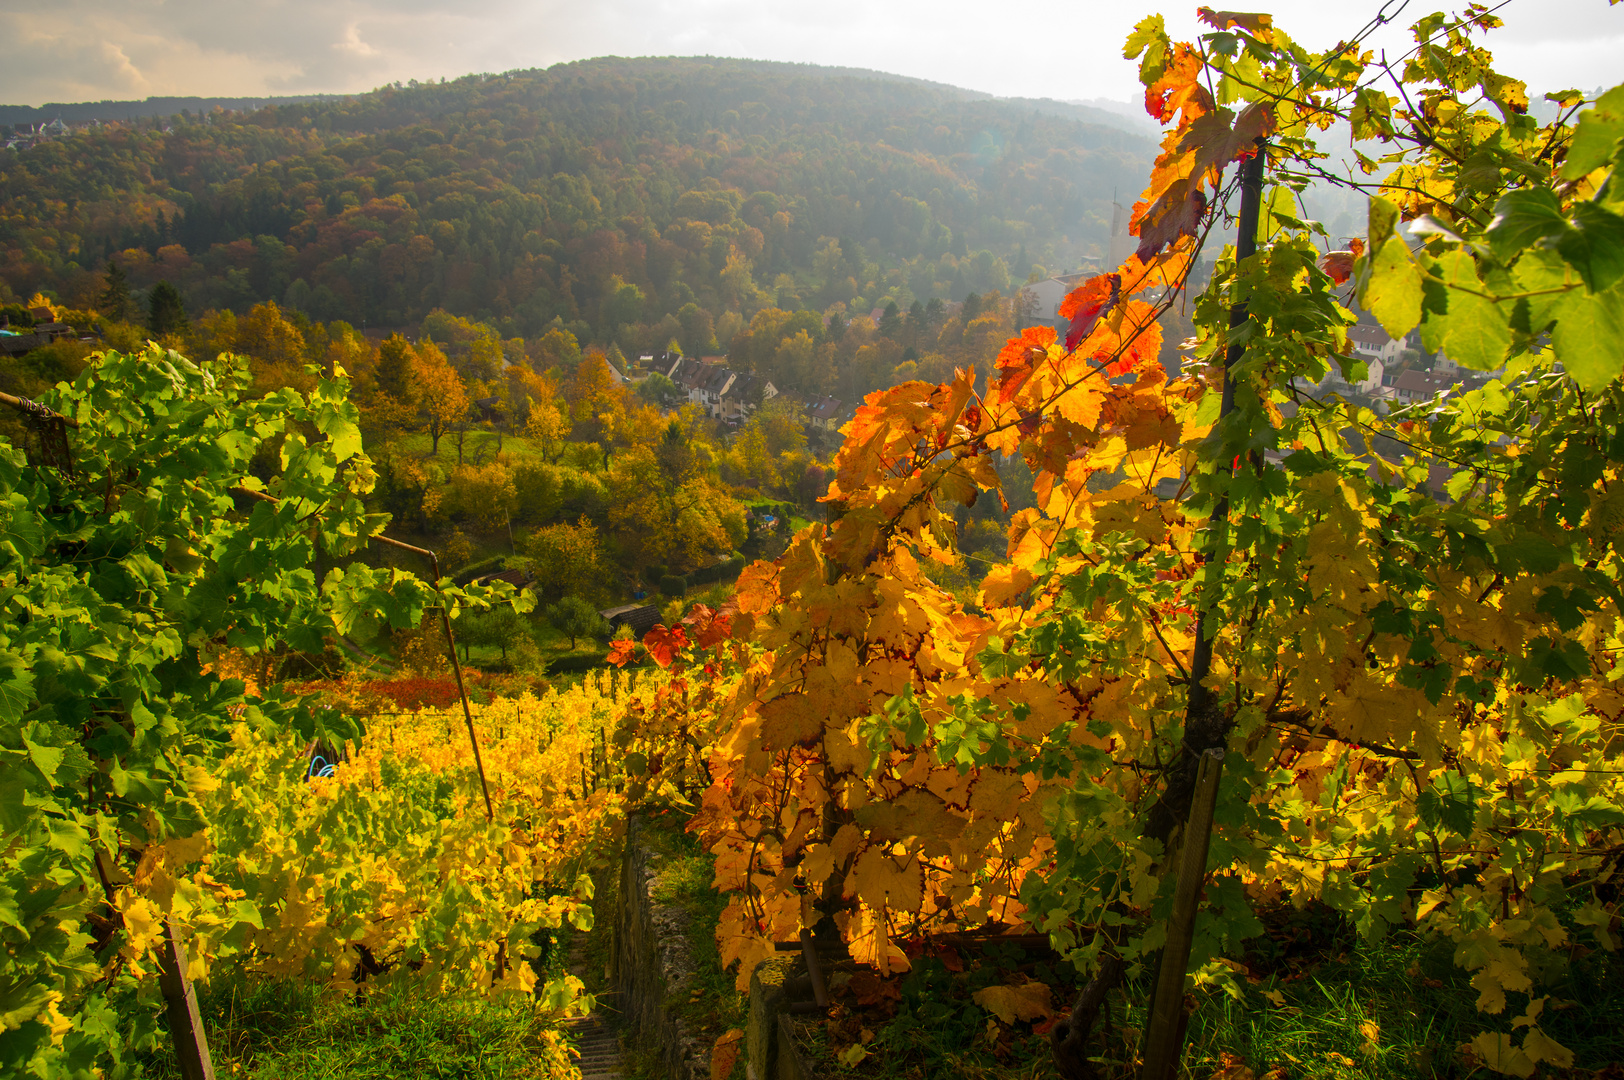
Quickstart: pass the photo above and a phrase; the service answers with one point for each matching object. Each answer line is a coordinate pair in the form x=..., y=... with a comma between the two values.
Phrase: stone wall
x=652, y=965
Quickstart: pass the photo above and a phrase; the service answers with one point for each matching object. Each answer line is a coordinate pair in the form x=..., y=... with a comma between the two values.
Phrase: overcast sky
x=84, y=50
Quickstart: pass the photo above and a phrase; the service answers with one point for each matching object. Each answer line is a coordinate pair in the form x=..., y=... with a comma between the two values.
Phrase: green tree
x=166, y=313
x=501, y=627
x=115, y=294
x=576, y=618
x=659, y=390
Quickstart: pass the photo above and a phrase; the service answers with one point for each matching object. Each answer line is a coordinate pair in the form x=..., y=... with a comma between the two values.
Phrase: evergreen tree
x=891, y=321
x=115, y=297
x=166, y=314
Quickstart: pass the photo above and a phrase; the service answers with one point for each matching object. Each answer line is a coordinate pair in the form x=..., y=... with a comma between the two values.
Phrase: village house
x=826, y=413
x=1038, y=304
x=725, y=395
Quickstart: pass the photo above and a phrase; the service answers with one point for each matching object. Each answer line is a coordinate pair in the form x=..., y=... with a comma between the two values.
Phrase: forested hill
x=611, y=194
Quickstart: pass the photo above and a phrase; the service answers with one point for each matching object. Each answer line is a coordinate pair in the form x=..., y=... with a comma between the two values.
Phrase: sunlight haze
x=82, y=50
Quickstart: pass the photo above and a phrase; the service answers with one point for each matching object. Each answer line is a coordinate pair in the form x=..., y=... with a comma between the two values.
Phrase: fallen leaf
x=1231, y=1067
x=725, y=1054
x=1029, y=1001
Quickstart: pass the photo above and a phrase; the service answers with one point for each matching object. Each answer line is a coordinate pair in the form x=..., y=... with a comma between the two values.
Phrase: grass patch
x=275, y=1030
x=709, y=1005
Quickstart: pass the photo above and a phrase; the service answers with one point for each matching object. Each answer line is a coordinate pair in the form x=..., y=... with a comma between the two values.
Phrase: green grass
x=275, y=1030
x=1396, y=1008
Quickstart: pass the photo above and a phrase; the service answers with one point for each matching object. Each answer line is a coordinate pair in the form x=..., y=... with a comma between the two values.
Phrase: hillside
x=610, y=194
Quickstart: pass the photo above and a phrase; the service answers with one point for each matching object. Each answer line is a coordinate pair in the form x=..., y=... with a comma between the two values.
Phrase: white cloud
x=86, y=49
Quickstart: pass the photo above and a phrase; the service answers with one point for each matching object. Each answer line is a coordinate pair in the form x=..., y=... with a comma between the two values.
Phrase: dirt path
x=594, y=1034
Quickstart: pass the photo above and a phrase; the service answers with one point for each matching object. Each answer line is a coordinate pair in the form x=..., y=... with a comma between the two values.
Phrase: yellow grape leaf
x=1498, y=976
x=1541, y=1047
x=1495, y=1051
x=725, y=1054
x=879, y=881
x=1029, y=1001
x=792, y=720
x=1393, y=293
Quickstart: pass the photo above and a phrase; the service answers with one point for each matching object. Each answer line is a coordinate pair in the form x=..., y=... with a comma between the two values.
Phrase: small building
x=1038, y=304
x=641, y=618
x=826, y=413
x=1415, y=385
x=1372, y=343
x=742, y=395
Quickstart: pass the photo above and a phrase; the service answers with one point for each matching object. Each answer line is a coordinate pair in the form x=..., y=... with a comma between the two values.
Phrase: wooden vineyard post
x=1164, y=1034
x=185, y=1024
x=1206, y=722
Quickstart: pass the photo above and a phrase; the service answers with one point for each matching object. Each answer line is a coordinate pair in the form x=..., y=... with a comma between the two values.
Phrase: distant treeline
x=84, y=112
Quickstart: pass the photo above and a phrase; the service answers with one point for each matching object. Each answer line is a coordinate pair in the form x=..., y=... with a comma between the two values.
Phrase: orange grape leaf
x=757, y=589
x=1216, y=142
x=1166, y=269
x=1179, y=87
x=1029, y=1001
x=792, y=720
x=709, y=627
x=1019, y=357
x=1259, y=24
x=621, y=652
x=1338, y=264
x=725, y=1054
x=1176, y=213
x=1087, y=304
x=878, y=881
x=663, y=644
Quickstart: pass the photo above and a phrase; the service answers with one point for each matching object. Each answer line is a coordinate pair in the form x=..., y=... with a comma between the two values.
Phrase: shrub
x=673, y=585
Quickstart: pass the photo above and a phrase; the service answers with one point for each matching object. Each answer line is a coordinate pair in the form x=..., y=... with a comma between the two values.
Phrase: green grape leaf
x=1595, y=246
x=1471, y=330
x=1597, y=140
x=1589, y=336
x=1524, y=218
x=1451, y=802
x=16, y=687
x=336, y=419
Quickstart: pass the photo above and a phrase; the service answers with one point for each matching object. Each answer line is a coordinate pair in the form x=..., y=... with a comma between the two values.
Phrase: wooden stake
x=1164, y=1034
x=185, y=1024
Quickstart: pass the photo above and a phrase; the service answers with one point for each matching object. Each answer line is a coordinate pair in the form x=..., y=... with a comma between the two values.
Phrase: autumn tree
x=565, y=559
x=661, y=519
x=437, y=390
x=596, y=399
x=275, y=349
x=396, y=358
x=557, y=348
